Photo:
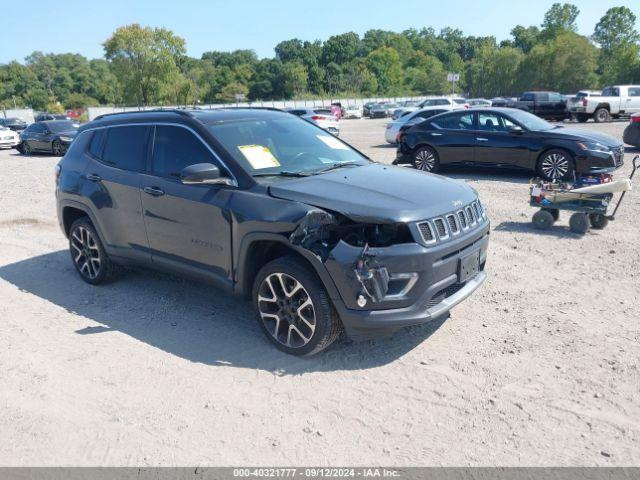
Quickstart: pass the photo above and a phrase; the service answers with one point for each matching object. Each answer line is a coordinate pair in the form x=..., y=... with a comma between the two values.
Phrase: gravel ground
x=539, y=367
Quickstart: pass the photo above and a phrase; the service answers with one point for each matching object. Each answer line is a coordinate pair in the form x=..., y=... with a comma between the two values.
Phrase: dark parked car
x=508, y=137
x=273, y=208
x=549, y=105
x=13, y=123
x=378, y=110
x=52, y=136
x=43, y=117
x=631, y=134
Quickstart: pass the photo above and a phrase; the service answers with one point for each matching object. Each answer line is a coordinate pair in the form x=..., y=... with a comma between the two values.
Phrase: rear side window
x=455, y=122
x=126, y=147
x=527, y=97
x=175, y=148
x=97, y=141
x=634, y=91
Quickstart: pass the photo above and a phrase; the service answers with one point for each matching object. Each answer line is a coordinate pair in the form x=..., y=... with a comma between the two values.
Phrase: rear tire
x=87, y=253
x=601, y=115
x=582, y=118
x=426, y=159
x=598, y=221
x=542, y=220
x=579, y=223
x=281, y=290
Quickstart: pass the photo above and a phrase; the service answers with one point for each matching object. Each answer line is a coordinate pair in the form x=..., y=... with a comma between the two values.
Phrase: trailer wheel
x=598, y=221
x=555, y=213
x=579, y=223
x=542, y=220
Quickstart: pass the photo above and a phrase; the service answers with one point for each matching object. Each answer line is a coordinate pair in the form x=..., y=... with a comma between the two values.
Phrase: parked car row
x=50, y=133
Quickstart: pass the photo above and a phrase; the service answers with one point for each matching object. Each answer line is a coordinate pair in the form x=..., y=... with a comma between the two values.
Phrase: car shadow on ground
x=557, y=230
x=191, y=320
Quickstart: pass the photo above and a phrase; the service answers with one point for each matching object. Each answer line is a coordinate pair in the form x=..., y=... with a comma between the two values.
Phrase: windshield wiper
x=284, y=173
x=335, y=166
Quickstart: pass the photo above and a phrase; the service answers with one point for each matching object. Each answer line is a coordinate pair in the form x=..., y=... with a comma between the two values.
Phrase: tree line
x=149, y=66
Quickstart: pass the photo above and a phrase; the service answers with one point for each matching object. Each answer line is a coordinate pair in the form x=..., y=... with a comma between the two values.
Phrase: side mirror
x=203, y=173
x=516, y=130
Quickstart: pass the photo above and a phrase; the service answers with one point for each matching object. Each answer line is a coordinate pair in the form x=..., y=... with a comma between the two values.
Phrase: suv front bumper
x=438, y=289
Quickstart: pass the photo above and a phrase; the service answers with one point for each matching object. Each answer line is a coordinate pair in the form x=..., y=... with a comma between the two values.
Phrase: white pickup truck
x=615, y=101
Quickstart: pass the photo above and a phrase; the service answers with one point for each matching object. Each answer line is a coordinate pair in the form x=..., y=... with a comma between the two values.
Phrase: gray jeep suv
x=268, y=206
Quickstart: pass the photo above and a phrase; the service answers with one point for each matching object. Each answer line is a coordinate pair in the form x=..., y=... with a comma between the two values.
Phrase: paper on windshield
x=259, y=156
x=332, y=142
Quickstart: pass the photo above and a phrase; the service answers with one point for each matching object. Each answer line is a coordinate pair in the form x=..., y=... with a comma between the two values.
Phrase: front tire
x=294, y=310
x=426, y=159
x=88, y=254
x=556, y=165
x=57, y=149
x=579, y=223
x=542, y=220
x=26, y=149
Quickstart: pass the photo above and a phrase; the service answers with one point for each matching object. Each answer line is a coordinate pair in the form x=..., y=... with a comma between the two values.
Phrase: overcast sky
x=81, y=26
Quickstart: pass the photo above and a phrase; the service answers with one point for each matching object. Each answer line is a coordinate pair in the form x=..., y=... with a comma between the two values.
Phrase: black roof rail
x=153, y=110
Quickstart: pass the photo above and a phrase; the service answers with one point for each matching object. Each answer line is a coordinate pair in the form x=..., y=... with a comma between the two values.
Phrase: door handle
x=436, y=134
x=480, y=139
x=94, y=178
x=154, y=191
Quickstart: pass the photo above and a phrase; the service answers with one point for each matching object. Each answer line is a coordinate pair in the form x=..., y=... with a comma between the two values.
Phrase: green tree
x=560, y=18
x=385, y=64
x=616, y=27
x=294, y=79
x=341, y=48
x=566, y=63
x=525, y=38
x=144, y=60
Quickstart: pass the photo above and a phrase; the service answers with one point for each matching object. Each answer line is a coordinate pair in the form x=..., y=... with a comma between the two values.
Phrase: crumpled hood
x=378, y=193
x=582, y=135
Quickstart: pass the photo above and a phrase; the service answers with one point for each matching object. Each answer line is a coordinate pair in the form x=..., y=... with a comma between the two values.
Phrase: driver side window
x=175, y=148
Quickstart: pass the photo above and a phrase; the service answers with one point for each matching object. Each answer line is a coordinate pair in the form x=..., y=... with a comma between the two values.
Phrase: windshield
x=530, y=121
x=282, y=144
x=57, y=126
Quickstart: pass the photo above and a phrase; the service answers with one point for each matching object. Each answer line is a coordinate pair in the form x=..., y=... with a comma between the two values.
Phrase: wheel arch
x=256, y=250
x=604, y=105
x=70, y=211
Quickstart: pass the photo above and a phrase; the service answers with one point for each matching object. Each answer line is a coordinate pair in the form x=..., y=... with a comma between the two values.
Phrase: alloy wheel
x=56, y=148
x=85, y=253
x=555, y=166
x=286, y=310
x=425, y=160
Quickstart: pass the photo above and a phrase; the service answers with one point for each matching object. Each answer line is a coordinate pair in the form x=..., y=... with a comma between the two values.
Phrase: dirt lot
x=539, y=367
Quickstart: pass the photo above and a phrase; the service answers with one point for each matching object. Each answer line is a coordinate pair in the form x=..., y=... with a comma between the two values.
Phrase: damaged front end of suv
x=388, y=259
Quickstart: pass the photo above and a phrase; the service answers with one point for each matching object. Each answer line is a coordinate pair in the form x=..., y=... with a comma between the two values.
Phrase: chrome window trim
x=171, y=124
